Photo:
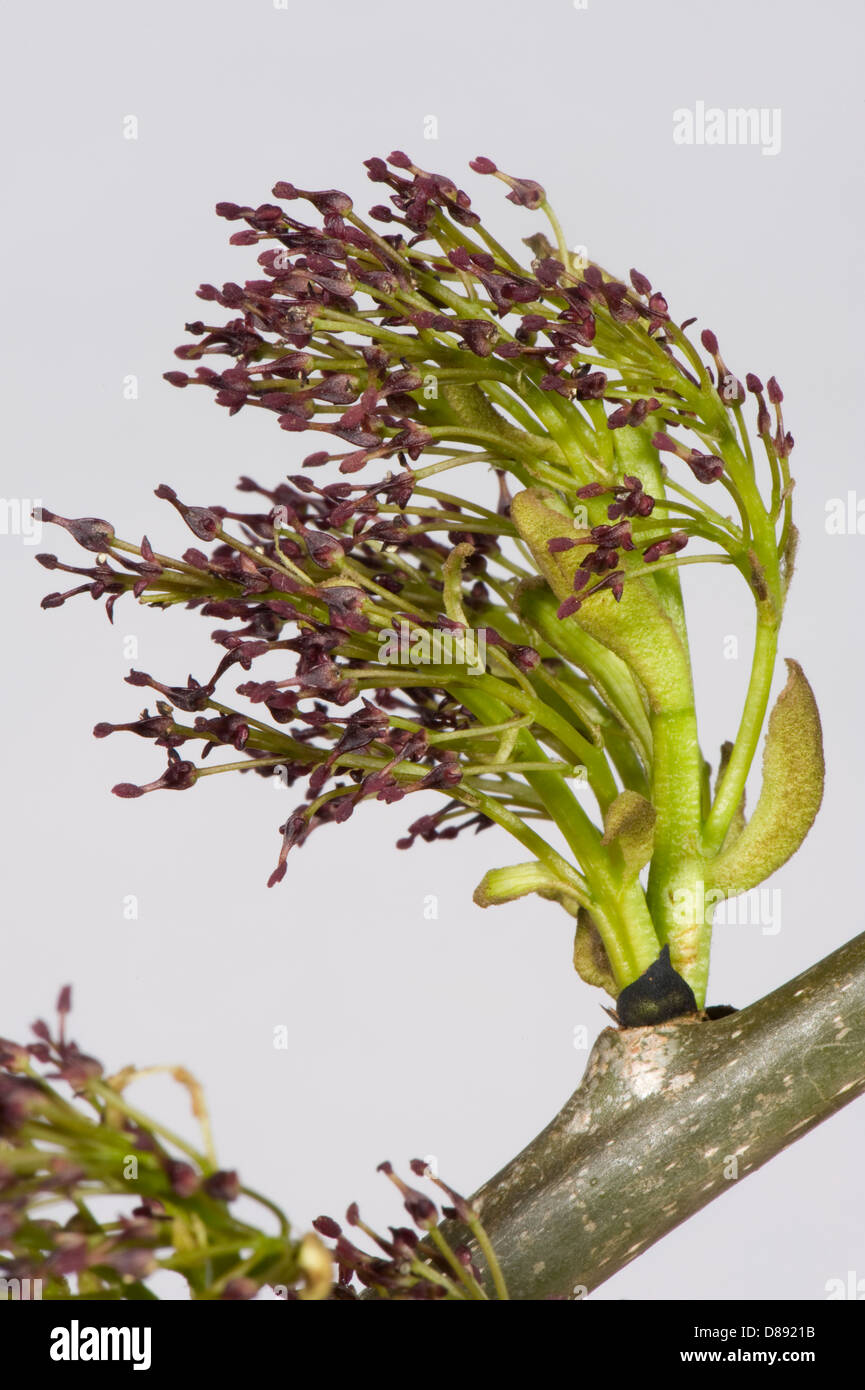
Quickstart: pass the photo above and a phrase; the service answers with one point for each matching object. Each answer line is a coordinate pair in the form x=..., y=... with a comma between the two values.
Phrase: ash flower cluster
x=420, y=1264
x=68, y=1136
x=412, y=343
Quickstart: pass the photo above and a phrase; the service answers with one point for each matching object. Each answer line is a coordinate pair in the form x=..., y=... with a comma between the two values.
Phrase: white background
x=451, y=1037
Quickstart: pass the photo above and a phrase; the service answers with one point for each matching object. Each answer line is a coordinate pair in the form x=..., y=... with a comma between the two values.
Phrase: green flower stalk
x=526, y=656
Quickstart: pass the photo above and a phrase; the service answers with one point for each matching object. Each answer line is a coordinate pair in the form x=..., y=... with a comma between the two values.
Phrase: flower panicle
x=408, y=344
x=69, y=1137
x=411, y=1263
x=418, y=343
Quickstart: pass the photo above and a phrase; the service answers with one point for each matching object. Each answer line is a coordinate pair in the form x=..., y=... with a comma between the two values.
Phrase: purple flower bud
x=327, y=200
x=526, y=193
x=13, y=1057
x=525, y=658
x=324, y=550
x=201, y=521
x=178, y=776
x=327, y=1227
x=127, y=790
x=549, y=270
x=668, y=546
x=17, y=1098
x=223, y=1186
x=445, y=774
x=664, y=444
x=591, y=386
x=773, y=390
x=571, y=605
x=592, y=490
x=182, y=1176
x=706, y=468
x=91, y=532
x=422, y=1211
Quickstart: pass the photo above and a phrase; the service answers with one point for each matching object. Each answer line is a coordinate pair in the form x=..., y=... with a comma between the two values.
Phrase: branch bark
x=650, y=1135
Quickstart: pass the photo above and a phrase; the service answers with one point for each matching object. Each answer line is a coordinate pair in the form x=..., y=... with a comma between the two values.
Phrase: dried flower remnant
x=414, y=344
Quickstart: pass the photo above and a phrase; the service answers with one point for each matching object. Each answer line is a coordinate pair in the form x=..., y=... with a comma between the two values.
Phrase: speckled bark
x=664, y=1118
